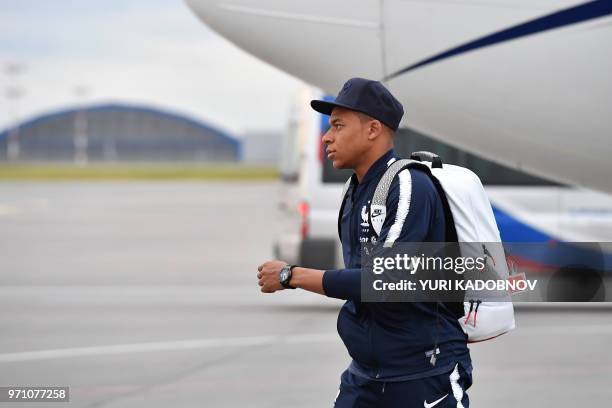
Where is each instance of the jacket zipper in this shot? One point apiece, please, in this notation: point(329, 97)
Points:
point(371, 324)
point(352, 221)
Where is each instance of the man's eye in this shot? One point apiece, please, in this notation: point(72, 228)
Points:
point(338, 126)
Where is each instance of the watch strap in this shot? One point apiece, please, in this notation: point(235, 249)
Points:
point(285, 283)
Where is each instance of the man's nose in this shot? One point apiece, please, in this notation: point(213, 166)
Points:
point(326, 138)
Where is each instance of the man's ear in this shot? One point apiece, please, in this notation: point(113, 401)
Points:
point(375, 128)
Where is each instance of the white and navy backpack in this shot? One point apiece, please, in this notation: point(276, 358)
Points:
point(469, 219)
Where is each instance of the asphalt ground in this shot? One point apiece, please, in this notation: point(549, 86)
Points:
point(143, 294)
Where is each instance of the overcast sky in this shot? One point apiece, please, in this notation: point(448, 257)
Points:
point(151, 52)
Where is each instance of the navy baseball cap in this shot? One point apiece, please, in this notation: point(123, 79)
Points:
point(365, 96)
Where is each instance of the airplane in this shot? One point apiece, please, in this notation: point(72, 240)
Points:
point(525, 83)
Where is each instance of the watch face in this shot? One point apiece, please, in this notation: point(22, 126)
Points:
point(283, 275)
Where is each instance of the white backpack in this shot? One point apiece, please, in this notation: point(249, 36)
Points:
point(468, 209)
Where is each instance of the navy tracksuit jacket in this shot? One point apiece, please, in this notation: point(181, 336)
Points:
point(393, 341)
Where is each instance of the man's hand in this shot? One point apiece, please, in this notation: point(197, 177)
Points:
point(268, 276)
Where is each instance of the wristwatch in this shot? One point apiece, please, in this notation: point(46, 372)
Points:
point(285, 276)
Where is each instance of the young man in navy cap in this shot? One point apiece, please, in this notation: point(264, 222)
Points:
point(391, 344)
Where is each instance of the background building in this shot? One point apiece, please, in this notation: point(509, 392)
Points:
point(116, 132)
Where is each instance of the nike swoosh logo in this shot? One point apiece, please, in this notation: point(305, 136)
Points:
point(432, 404)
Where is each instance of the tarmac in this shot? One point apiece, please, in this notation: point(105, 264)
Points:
point(143, 294)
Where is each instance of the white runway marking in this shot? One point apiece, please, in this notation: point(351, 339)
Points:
point(163, 346)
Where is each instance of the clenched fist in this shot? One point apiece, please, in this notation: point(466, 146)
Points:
point(268, 276)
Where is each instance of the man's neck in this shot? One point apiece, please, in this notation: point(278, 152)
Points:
point(362, 168)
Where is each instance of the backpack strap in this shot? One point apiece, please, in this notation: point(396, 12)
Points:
point(378, 206)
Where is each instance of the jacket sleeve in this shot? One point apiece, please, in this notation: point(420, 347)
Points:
point(411, 207)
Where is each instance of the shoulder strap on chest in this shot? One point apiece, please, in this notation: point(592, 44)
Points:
point(378, 206)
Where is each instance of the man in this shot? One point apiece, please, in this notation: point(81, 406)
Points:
point(404, 354)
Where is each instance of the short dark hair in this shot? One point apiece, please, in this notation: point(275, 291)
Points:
point(364, 117)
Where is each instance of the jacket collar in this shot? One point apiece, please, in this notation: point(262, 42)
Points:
point(378, 167)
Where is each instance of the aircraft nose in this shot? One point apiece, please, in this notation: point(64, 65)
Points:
point(315, 40)
point(205, 9)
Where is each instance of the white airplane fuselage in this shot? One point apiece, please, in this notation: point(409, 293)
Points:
point(526, 83)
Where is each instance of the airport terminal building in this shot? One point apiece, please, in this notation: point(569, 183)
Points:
point(117, 132)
